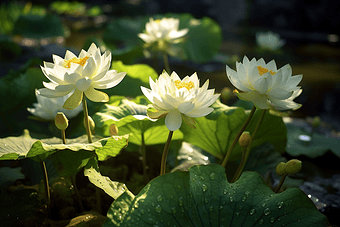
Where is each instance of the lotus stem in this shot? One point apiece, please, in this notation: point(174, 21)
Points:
point(166, 63)
point(240, 167)
point(47, 187)
point(243, 162)
point(63, 136)
point(143, 150)
point(165, 153)
point(73, 181)
point(281, 183)
point(86, 116)
point(231, 148)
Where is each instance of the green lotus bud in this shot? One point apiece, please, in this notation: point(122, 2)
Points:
point(113, 130)
point(61, 121)
point(316, 121)
point(280, 169)
point(293, 166)
point(244, 139)
point(91, 123)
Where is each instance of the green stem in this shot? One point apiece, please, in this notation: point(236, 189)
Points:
point(47, 187)
point(63, 136)
point(86, 116)
point(176, 156)
point(280, 184)
point(80, 204)
point(165, 153)
point(143, 150)
point(155, 63)
point(225, 160)
point(242, 164)
point(240, 167)
point(166, 63)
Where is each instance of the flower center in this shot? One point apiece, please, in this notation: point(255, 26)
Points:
point(80, 61)
point(187, 85)
point(263, 70)
point(158, 21)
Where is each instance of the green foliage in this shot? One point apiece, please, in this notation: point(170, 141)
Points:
point(12, 148)
point(137, 76)
point(130, 118)
point(112, 188)
point(215, 132)
point(73, 8)
point(201, 43)
point(9, 13)
point(204, 197)
point(37, 26)
point(317, 147)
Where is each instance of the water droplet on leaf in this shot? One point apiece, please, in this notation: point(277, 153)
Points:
point(266, 211)
point(158, 208)
point(159, 198)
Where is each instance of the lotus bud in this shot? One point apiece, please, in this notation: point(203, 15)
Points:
point(113, 130)
point(280, 169)
point(316, 121)
point(61, 121)
point(91, 123)
point(244, 139)
point(293, 166)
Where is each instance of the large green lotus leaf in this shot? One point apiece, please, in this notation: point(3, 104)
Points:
point(216, 132)
point(203, 39)
point(20, 87)
point(37, 26)
point(68, 162)
point(317, 147)
point(112, 188)
point(203, 197)
point(130, 117)
point(125, 30)
point(137, 76)
point(12, 148)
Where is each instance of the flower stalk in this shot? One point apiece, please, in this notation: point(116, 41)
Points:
point(245, 157)
point(143, 151)
point(165, 153)
point(231, 148)
point(281, 183)
point(47, 187)
point(166, 62)
point(87, 124)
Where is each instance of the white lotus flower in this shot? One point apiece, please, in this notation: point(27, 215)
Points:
point(83, 75)
point(264, 84)
point(161, 33)
point(47, 108)
point(288, 103)
point(269, 40)
point(179, 99)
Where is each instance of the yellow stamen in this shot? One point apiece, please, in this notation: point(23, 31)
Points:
point(158, 21)
point(263, 70)
point(187, 85)
point(80, 61)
